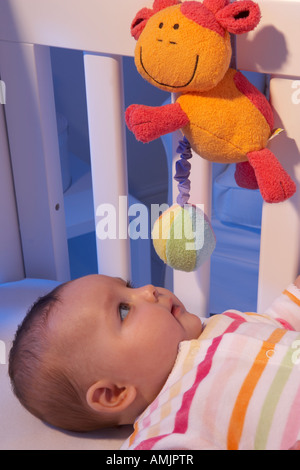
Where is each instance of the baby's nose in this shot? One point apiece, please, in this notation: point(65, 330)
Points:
point(149, 293)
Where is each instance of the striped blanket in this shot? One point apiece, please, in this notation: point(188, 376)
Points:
point(235, 387)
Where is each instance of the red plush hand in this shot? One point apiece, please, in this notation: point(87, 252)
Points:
point(141, 123)
point(148, 123)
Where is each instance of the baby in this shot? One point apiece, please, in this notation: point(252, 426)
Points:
point(96, 352)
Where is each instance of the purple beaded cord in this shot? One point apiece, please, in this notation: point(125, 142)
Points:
point(183, 168)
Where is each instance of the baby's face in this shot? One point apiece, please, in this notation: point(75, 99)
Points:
point(131, 335)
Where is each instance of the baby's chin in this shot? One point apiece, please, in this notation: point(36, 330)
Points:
point(193, 326)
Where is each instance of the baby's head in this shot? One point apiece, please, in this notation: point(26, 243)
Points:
point(95, 351)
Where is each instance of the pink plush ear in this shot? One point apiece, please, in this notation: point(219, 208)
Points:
point(144, 14)
point(140, 22)
point(161, 4)
point(200, 14)
point(239, 17)
point(215, 5)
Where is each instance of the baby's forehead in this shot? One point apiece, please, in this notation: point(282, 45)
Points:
point(70, 317)
point(83, 300)
point(94, 280)
point(86, 293)
point(83, 304)
point(80, 287)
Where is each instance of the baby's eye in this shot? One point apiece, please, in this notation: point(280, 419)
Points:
point(123, 310)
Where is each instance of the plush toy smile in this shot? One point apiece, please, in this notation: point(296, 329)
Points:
point(166, 84)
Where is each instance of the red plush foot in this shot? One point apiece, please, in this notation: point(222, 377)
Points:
point(245, 176)
point(148, 123)
point(274, 183)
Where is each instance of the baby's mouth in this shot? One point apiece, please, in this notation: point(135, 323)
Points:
point(175, 310)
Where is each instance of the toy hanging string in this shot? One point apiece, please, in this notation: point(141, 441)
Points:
point(183, 168)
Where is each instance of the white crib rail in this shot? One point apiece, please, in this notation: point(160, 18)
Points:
point(280, 236)
point(33, 143)
point(105, 105)
point(95, 26)
point(11, 261)
point(273, 48)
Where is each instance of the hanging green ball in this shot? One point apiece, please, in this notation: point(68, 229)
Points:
point(183, 237)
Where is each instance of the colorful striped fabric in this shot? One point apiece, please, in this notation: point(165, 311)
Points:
point(235, 387)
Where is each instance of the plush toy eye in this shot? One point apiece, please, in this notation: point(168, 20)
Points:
point(176, 26)
point(160, 25)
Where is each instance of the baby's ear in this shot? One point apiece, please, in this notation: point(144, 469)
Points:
point(106, 396)
point(239, 17)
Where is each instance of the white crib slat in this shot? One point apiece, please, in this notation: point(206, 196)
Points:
point(280, 238)
point(33, 142)
point(11, 261)
point(104, 89)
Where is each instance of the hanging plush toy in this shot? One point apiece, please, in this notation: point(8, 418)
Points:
point(183, 237)
point(185, 48)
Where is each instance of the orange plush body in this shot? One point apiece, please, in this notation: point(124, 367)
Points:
point(185, 48)
point(224, 124)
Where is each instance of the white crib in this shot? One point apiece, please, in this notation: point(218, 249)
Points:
point(33, 241)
